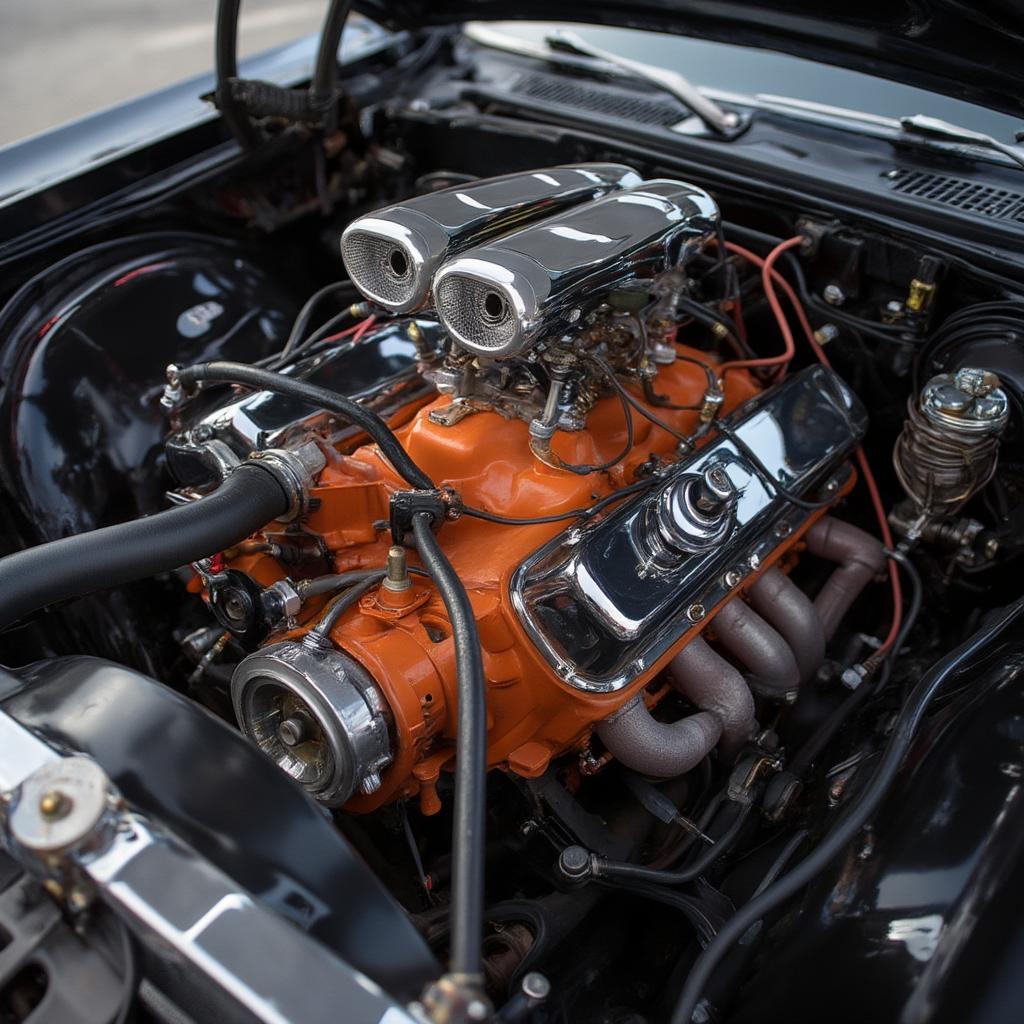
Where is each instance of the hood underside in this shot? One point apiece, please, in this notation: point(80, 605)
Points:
point(974, 51)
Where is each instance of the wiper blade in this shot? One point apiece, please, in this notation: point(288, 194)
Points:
point(927, 127)
point(726, 123)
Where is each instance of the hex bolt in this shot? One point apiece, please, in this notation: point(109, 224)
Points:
point(854, 675)
point(834, 295)
point(696, 612)
point(976, 383)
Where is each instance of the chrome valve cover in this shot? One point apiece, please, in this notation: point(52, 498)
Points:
point(605, 600)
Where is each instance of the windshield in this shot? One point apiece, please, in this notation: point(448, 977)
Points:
point(740, 69)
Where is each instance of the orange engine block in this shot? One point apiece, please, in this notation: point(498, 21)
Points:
point(403, 639)
point(397, 643)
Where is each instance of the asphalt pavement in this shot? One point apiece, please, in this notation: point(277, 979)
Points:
point(61, 59)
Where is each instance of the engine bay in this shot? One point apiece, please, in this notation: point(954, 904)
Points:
point(567, 533)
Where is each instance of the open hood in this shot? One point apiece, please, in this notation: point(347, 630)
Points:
point(973, 51)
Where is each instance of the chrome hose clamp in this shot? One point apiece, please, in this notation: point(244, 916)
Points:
point(296, 470)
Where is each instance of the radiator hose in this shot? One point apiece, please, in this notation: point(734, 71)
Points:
point(71, 567)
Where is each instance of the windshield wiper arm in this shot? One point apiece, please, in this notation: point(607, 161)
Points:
point(722, 122)
point(933, 128)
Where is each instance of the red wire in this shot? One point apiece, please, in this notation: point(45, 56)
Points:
point(357, 332)
point(364, 328)
point(769, 278)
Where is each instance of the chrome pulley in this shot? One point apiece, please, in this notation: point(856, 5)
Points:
point(317, 714)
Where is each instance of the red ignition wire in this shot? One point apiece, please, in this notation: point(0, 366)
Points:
point(770, 278)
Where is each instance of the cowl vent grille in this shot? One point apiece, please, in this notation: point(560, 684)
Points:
point(611, 101)
point(969, 196)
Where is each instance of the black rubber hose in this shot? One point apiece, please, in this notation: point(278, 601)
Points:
point(71, 567)
point(311, 394)
point(225, 53)
point(130, 976)
point(617, 870)
point(325, 74)
point(333, 583)
point(856, 814)
point(343, 602)
point(468, 835)
point(575, 513)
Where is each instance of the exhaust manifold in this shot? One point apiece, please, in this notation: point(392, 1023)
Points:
point(779, 640)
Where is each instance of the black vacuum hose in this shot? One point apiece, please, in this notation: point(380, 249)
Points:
point(616, 870)
point(71, 567)
point(324, 85)
point(467, 913)
point(266, 380)
point(225, 52)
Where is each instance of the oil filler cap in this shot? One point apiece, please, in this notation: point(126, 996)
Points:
point(695, 512)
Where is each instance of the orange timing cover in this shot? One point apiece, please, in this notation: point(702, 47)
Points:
point(404, 640)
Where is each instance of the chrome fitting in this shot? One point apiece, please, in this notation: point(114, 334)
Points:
point(317, 714)
point(281, 602)
point(576, 864)
point(826, 334)
point(853, 676)
point(173, 392)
